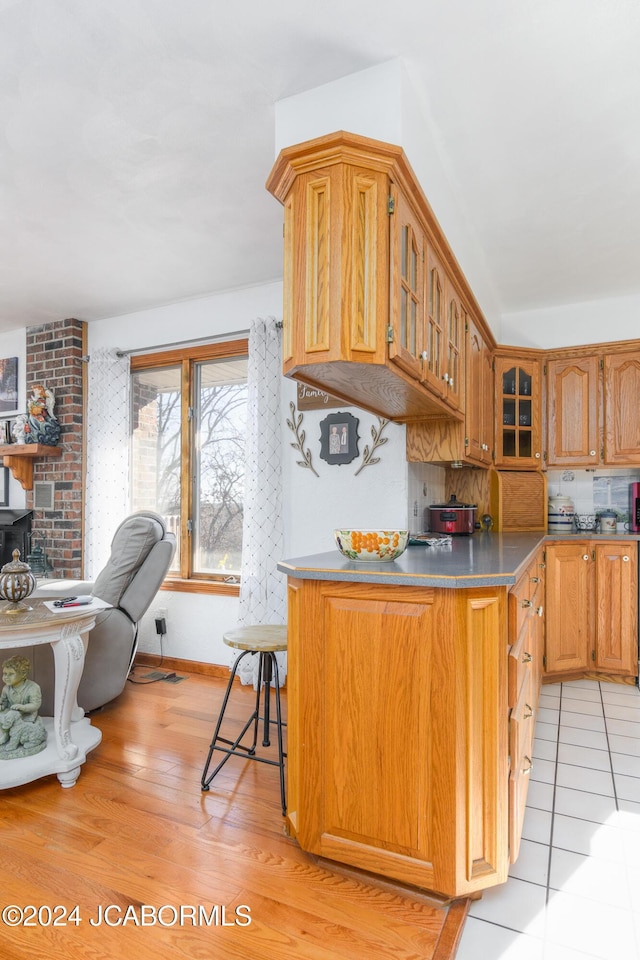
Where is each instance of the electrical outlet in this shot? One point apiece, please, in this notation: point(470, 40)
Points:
point(161, 613)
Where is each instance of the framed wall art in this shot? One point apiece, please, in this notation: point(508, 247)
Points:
point(339, 438)
point(8, 385)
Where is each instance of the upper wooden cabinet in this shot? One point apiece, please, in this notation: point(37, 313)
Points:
point(440, 440)
point(621, 406)
point(573, 412)
point(373, 296)
point(592, 403)
point(518, 407)
point(479, 407)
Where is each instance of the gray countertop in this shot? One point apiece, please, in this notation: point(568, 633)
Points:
point(480, 560)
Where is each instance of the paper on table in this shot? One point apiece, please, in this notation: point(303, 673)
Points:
point(96, 604)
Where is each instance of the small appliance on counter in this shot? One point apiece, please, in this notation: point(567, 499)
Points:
point(453, 517)
point(634, 508)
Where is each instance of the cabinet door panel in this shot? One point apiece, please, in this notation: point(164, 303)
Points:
point(453, 342)
point(432, 370)
point(616, 624)
point(518, 413)
point(573, 428)
point(478, 396)
point(569, 579)
point(621, 404)
point(407, 297)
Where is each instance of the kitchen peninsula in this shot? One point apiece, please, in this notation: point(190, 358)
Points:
point(413, 691)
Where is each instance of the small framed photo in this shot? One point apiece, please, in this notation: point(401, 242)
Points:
point(4, 486)
point(339, 438)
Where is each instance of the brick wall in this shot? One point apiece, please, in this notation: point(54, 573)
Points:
point(54, 358)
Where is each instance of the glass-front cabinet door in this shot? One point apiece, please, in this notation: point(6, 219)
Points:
point(407, 279)
point(518, 413)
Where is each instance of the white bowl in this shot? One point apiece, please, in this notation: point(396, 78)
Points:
point(373, 545)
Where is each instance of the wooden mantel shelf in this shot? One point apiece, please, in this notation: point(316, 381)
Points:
point(19, 458)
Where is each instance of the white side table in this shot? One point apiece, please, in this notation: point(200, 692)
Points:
point(70, 735)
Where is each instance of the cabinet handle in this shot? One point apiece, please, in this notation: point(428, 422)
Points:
point(626, 559)
point(540, 611)
point(585, 556)
point(445, 377)
point(528, 711)
point(537, 456)
point(592, 453)
point(424, 355)
point(526, 657)
point(451, 382)
point(535, 579)
point(527, 603)
point(529, 766)
point(542, 566)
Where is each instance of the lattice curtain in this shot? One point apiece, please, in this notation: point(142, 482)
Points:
point(263, 588)
point(107, 489)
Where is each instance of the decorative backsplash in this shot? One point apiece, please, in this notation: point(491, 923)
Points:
point(594, 490)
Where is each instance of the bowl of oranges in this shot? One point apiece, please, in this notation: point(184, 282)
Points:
point(373, 545)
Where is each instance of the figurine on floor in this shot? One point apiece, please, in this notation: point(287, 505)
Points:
point(22, 732)
point(39, 424)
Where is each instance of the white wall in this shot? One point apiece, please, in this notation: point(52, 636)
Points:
point(313, 506)
point(574, 324)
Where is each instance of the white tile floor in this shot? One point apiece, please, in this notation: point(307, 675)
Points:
point(574, 892)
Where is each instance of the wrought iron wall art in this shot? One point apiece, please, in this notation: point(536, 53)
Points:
point(367, 454)
point(294, 425)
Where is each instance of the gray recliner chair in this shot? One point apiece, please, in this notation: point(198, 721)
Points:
point(141, 553)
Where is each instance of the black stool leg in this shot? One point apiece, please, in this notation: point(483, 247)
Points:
point(205, 781)
point(265, 668)
point(283, 798)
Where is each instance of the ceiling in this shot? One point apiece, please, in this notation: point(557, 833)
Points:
point(136, 137)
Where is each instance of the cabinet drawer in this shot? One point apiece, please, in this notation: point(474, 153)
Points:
point(525, 598)
point(521, 730)
point(521, 660)
point(521, 726)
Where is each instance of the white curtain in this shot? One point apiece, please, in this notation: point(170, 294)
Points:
point(107, 493)
point(263, 588)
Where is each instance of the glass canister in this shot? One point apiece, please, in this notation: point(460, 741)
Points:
point(560, 514)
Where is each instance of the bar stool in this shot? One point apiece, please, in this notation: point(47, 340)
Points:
point(265, 640)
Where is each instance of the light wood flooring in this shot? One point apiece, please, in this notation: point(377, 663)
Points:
point(137, 830)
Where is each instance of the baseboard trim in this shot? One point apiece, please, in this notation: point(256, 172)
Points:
point(181, 666)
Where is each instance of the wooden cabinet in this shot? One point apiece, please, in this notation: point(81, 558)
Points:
point(398, 752)
point(518, 408)
point(592, 403)
point(621, 406)
point(437, 440)
point(408, 250)
point(526, 638)
point(372, 293)
point(592, 608)
point(479, 392)
point(574, 434)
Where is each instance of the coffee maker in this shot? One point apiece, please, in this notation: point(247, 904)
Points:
point(634, 508)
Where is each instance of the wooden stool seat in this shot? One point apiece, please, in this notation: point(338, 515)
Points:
point(262, 638)
point(265, 640)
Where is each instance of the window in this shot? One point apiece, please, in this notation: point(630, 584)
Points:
point(189, 423)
